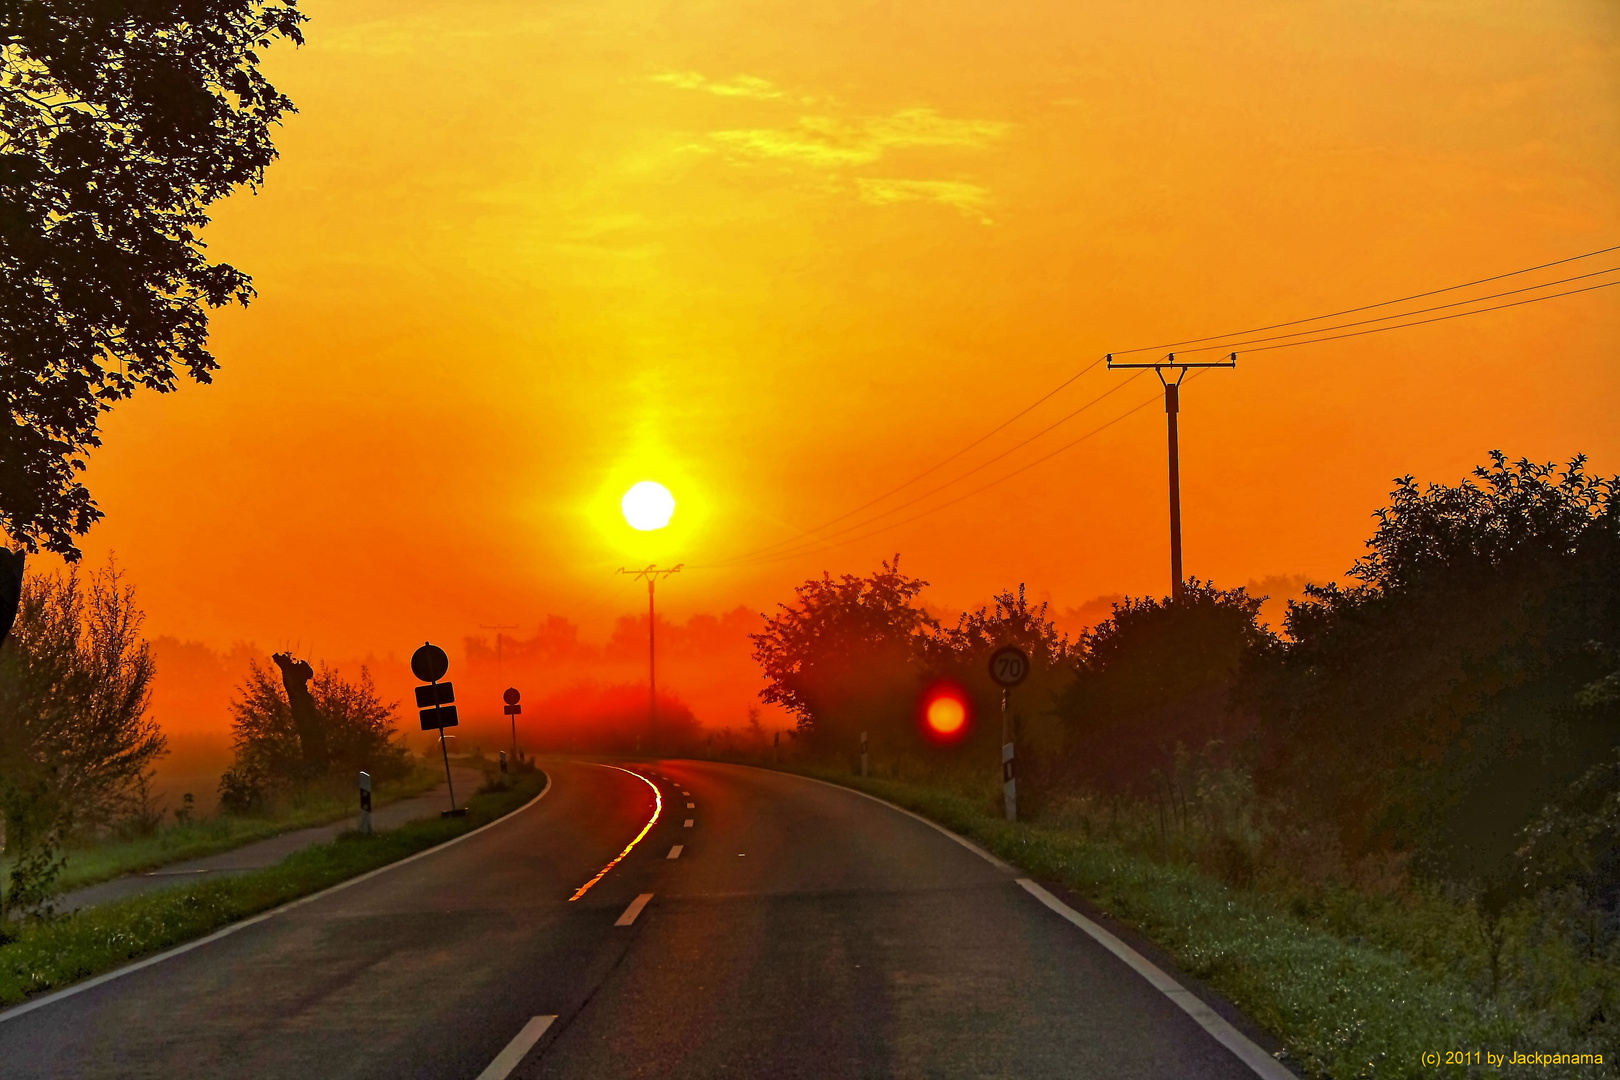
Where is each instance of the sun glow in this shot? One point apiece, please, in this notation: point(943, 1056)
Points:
point(945, 712)
point(647, 506)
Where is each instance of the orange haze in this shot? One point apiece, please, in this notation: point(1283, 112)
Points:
point(782, 256)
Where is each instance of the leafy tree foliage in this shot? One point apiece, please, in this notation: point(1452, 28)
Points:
point(848, 654)
point(274, 760)
point(120, 122)
point(1437, 704)
point(1157, 675)
point(75, 740)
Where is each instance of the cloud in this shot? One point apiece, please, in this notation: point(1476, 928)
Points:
point(828, 142)
point(970, 199)
point(838, 147)
point(743, 86)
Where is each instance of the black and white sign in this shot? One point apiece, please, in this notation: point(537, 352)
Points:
point(1009, 666)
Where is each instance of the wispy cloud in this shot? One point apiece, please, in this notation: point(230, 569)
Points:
point(839, 146)
point(743, 86)
point(829, 142)
point(971, 199)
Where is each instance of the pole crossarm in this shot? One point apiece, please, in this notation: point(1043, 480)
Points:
point(1170, 361)
point(653, 572)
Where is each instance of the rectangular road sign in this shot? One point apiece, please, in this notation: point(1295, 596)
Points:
point(442, 717)
point(439, 693)
point(513, 710)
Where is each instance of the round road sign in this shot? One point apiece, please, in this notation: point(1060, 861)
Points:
point(429, 663)
point(512, 697)
point(1009, 666)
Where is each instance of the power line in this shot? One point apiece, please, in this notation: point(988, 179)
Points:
point(1230, 345)
point(1437, 318)
point(935, 467)
point(1367, 307)
point(794, 548)
point(934, 491)
point(807, 549)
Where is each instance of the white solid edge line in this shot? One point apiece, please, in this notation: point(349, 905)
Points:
point(1246, 1050)
point(521, 1044)
point(936, 826)
point(675, 852)
point(634, 909)
point(225, 931)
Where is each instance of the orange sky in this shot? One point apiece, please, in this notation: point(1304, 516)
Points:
point(781, 256)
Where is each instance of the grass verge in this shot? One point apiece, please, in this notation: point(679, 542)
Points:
point(91, 864)
point(1346, 1009)
point(48, 954)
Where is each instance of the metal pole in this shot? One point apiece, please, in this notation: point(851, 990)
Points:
point(444, 749)
point(652, 667)
point(1172, 406)
point(1009, 787)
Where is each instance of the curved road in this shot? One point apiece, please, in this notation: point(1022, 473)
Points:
point(802, 930)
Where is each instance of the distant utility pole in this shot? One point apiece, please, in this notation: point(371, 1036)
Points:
point(1172, 406)
point(652, 574)
point(498, 629)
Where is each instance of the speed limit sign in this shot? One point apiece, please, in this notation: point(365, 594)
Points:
point(1009, 666)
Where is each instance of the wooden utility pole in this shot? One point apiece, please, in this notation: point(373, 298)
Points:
point(1172, 408)
point(652, 574)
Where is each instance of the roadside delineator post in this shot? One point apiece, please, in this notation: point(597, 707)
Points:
point(365, 804)
point(503, 762)
point(863, 754)
point(1009, 666)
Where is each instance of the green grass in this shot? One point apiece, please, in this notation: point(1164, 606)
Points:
point(48, 954)
point(88, 864)
point(1353, 987)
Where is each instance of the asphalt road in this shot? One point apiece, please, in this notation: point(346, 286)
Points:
point(801, 931)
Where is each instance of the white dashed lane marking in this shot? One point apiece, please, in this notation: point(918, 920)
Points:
point(634, 909)
point(508, 1059)
point(675, 852)
point(688, 823)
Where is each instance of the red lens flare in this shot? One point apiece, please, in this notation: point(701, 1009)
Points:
point(945, 712)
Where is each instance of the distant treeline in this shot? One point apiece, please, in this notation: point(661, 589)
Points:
point(1457, 705)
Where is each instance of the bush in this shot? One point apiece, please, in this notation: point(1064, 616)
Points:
point(75, 740)
point(339, 729)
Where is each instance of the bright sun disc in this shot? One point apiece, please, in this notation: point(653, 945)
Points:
point(648, 506)
point(946, 715)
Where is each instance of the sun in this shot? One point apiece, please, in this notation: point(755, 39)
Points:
point(647, 506)
point(946, 715)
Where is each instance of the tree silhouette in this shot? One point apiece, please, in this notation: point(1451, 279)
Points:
point(119, 124)
point(847, 653)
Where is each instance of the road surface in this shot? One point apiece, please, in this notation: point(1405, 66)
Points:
point(801, 930)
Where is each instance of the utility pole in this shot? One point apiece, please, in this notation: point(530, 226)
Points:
point(498, 629)
point(652, 574)
point(1172, 408)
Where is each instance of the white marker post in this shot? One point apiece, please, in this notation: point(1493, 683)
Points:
point(863, 753)
point(365, 804)
point(1009, 666)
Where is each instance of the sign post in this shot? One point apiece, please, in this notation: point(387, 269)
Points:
point(512, 697)
point(1009, 666)
point(435, 704)
point(365, 804)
